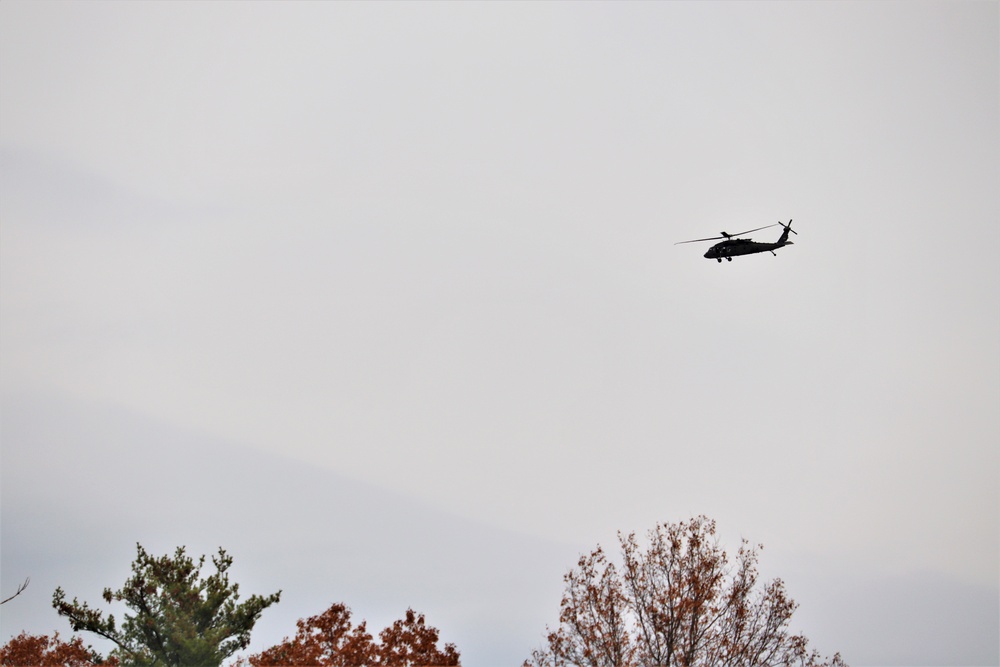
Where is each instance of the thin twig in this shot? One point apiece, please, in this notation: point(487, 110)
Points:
point(20, 590)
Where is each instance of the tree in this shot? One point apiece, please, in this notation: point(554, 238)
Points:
point(411, 642)
point(676, 603)
point(178, 618)
point(44, 651)
point(325, 639)
point(329, 640)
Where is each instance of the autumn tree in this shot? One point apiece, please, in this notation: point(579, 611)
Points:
point(329, 640)
point(678, 602)
point(325, 639)
point(179, 618)
point(43, 651)
point(410, 642)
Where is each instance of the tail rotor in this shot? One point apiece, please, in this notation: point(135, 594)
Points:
point(784, 234)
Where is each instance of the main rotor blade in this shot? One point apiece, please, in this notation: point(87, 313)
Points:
point(727, 235)
point(711, 238)
point(755, 230)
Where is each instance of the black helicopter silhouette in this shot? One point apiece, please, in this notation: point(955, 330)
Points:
point(733, 246)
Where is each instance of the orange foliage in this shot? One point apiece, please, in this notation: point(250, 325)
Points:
point(411, 642)
point(326, 639)
point(44, 651)
point(329, 640)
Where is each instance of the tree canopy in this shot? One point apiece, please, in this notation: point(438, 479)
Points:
point(43, 651)
point(330, 640)
point(178, 617)
point(675, 603)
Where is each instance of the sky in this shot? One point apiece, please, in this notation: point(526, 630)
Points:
point(384, 299)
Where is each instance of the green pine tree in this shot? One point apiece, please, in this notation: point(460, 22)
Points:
point(178, 619)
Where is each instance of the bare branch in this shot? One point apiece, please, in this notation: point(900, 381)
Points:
point(20, 589)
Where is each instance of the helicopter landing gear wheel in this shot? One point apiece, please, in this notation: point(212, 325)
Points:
point(719, 260)
point(729, 259)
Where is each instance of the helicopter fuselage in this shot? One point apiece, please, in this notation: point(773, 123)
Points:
point(734, 247)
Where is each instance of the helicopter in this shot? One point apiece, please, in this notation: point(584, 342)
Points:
point(733, 246)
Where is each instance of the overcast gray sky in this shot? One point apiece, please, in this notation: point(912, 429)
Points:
point(368, 267)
